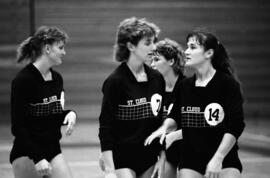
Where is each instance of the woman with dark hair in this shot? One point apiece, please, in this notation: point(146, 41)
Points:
point(168, 59)
point(132, 98)
point(209, 109)
point(37, 108)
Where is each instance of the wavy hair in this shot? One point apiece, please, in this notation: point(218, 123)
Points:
point(31, 48)
point(170, 49)
point(132, 30)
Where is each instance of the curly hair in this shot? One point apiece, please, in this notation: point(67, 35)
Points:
point(170, 49)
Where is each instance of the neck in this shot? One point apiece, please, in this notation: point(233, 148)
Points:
point(205, 75)
point(135, 65)
point(42, 65)
point(170, 80)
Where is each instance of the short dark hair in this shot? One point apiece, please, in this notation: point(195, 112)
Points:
point(170, 49)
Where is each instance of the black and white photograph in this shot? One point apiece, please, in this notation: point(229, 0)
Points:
point(134, 89)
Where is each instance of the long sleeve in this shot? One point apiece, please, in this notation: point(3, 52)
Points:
point(62, 115)
point(234, 115)
point(20, 95)
point(107, 115)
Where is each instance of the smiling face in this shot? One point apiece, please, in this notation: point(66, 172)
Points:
point(144, 49)
point(56, 52)
point(195, 53)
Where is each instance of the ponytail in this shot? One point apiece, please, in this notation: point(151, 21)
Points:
point(31, 48)
point(221, 60)
point(25, 50)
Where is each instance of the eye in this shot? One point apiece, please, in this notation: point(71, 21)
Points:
point(148, 43)
point(156, 59)
point(191, 47)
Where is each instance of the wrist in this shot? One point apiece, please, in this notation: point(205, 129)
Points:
point(72, 113)
point(109, 171)
point(219, 156)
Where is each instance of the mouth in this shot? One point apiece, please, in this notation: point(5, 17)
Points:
point(187, 59)
point(150, 54)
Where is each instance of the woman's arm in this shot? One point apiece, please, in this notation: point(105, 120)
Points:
point(172, 137)
point(233, 127)
point(168, 126)
point(215, 164)
point(160, 165)
point(20, 95)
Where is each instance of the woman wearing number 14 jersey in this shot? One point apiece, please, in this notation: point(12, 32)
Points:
point(208, 108)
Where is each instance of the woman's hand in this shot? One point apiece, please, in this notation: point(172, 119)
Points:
point(106, 164)
point(172, 137)
point(214, 167)
point(161, 132)
point(159, 166)
point(43, 168)
point(70, 120)
point(101, 163)
point(110, 175)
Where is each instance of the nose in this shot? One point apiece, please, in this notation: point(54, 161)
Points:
point(186, 52)
point(152, 64)
point(64, 52)
point(153, 46)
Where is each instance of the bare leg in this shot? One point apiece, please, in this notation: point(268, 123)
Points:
point(147, 173)
point(24, 167)
point(60, 168)
point(230, 173)
point(170, 170)
point(125, 173)
point(189, 173)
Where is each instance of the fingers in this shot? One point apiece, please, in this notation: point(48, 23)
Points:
point(65, 121)
point(70, 126)
point(69, 129)
point(154, 172)
point(211, 175)
point(46, 171)
point(149, 140)
point(160, 174)
point(162, 138)
point(101, 164)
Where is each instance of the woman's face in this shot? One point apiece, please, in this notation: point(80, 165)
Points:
point(161, 64)
point(144, 49)
point(56, 53)
point(195, 53)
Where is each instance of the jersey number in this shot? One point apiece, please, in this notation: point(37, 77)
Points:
point(214, 114)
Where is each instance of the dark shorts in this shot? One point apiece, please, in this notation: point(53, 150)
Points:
point(49, 151)
point(198, 162)
point(174, 153)
point(138, 158)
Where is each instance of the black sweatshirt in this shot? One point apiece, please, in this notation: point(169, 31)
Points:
point(206, 113)
point(169, 98)
point(131, 110)
point(36, 110)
